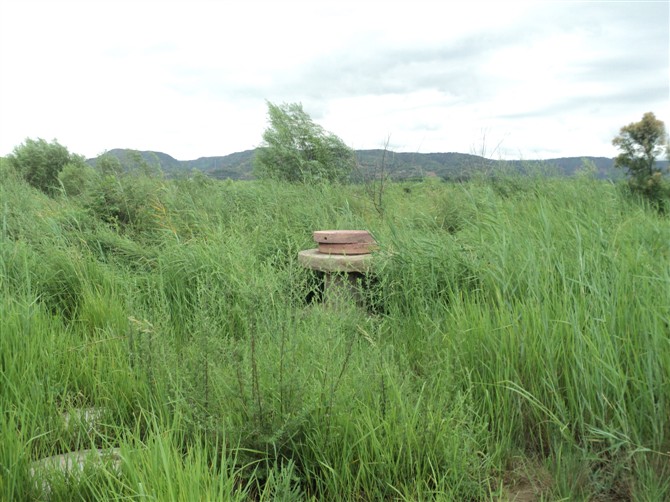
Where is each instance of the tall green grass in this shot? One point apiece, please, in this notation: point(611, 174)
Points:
point(515, 334)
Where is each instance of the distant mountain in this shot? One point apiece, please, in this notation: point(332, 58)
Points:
point(236, 166)
point(371, 163)
point(132, 159)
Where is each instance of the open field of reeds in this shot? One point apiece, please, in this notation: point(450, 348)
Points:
point(514, 344)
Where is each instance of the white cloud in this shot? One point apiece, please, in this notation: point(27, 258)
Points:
point(191, 78)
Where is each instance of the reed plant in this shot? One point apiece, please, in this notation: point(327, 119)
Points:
point(514, 342)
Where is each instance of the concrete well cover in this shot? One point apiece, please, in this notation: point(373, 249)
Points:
point(355, 248)
point(343, 237)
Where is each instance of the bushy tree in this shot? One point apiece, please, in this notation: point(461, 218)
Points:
point(641, 144)
point(40, 162)
point(76, 178)
point(127, 197)
point(295, 149)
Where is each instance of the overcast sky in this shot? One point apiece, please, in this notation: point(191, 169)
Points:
point(191, 78)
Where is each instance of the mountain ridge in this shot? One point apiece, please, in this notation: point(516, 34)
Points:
point(375, 162)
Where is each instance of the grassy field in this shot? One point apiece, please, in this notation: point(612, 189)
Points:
point(515, 344)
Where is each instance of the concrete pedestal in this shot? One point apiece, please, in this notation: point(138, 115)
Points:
point(342, 274)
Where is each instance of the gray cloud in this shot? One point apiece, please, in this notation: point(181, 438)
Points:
point(203, 65)
point(594, 103)
point(452, 68)
point(622, 69)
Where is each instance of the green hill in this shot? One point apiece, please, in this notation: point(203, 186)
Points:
point(374, 163)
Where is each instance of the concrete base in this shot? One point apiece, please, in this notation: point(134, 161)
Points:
point(344, 288)
point(312, 258)
point(342, 275)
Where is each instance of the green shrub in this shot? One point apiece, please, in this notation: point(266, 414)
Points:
point(76, 178)
point(40, 163)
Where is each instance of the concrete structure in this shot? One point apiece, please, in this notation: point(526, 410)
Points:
point(344, 257)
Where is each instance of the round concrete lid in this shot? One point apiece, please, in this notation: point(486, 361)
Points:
point(358, 248)
point(343, 236)
point(311, 258)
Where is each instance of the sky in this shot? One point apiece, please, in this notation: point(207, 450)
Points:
point(507, 80)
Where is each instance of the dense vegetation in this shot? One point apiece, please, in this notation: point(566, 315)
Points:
point(515, 341)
